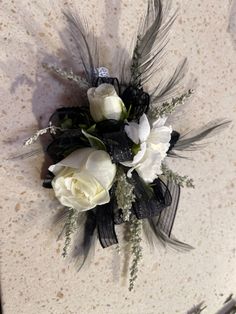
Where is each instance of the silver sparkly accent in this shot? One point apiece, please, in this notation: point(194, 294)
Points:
point(102, 72)
point(70, 76)
point(51, 128)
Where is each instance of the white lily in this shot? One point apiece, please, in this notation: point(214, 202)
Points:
point(153, 143)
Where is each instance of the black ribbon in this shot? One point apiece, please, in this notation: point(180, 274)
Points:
point(113, 135)
point(166, 219)
point(150, 200)
point(71, 118)
point(70, 137)
point(47, 182)
point(174, 139)
point(105, 224)
point(64, 145)
point(136, 101)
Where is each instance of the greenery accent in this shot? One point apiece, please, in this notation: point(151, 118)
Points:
point(135, 148)
point(94, 141)
point(67, 123)
point(183, 181)
point(136, 248)
point(70, 76)
point(124, 193)
point(168, 107)
point(70, 227)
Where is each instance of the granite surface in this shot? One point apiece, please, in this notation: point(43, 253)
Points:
point(35, 279)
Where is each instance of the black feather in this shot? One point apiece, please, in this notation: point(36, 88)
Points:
point(85, 246)
point(190, 140)
point(86, 45)
point(169, 89)
point(152, 39)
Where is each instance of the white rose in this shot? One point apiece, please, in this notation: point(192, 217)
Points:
point(83, 179)
point(104, 103)
point(153, 143)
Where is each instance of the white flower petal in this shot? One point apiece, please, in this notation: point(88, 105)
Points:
point(136, 158)
point(140, 154)
point(144, 128)
point(100, 166)
point(154, 147)
point(112, 107)
point(104, 90)
point(132, 131)
point(102, 198)
point(159, 122)
point(150, 167)
point(160, 135)
point(76, 160)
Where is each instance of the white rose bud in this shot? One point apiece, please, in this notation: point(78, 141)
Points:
point(83, 179)
point(105, 103)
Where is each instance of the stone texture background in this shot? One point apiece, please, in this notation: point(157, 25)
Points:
point(35, 279)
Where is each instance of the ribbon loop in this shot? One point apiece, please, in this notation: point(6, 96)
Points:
point(105, 225)
point(150, 200)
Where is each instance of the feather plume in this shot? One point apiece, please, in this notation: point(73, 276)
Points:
point(151, 41)
point(169, 89)
point(86, 240)
point(22, 156)
point(189, 141)
point(197, 309)
point(169, 241)
point(85, 43)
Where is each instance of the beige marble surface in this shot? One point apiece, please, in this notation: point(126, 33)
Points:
point(35, 279)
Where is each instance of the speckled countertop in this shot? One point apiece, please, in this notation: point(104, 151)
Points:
point(35, 279)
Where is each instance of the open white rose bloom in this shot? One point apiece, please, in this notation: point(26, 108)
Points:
point(154, 144)
point(83, 179)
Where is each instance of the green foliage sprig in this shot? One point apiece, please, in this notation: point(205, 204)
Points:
point(70, 76)
point(136, 248)
point(168, 107)
point(183, 181)
point(70, 227)
point(124, 193)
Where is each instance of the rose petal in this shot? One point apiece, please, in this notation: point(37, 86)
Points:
point(100, 166)
point(105, 90)
point(112, 107)
point(75, 160)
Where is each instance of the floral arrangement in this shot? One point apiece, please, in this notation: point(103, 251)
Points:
point(109, 154)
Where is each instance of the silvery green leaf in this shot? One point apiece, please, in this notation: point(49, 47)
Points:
point(94, 141)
